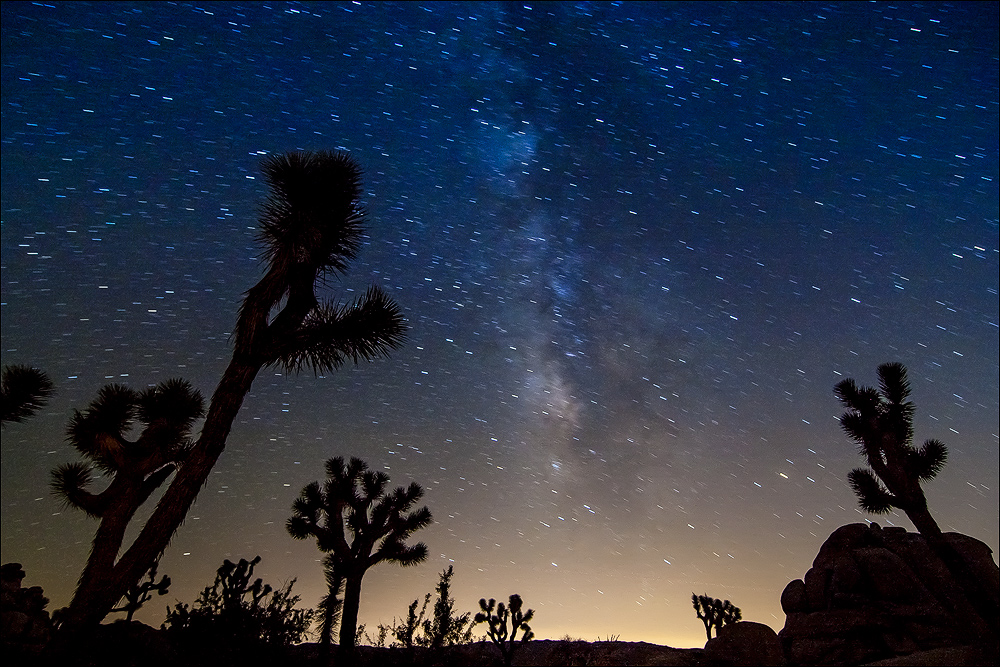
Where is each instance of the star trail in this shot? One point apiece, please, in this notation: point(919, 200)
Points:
point(637, 244)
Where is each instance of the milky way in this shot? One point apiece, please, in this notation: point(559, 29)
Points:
point(636, 245)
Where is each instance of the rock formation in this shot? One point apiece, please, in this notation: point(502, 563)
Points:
point(874, 594)
point(25, 627)
point(744, 643)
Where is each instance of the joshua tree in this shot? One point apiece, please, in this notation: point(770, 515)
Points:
point(881, 422)
point(498, 624)
point(311, 226)
point(379, 523)
point(135, 468)
point(715, 613)
point(23, 392)
point(141, 593)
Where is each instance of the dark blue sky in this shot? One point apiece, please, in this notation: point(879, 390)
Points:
point(637, 245)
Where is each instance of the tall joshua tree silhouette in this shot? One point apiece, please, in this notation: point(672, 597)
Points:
point(310, 227)
point(354, 497)
point(23, 392)
point(881, 422)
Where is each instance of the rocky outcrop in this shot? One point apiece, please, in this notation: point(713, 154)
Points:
point(25, 627)
point(744, 643)
point(875, 594)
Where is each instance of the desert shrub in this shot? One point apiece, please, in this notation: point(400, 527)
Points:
point(236, 619)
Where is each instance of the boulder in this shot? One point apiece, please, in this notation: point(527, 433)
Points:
point(744, 643)
point(876, 594)
point(25, 626)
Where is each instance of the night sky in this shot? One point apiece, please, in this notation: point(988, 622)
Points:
point(636, 246)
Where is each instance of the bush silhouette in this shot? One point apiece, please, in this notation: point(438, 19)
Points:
point(715, 613)
point(445, 628)
point(238, 617)
point(504, 639)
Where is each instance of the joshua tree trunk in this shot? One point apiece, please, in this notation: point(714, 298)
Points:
point(349, 617)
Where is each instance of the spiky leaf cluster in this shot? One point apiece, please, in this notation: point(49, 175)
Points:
point(312, 225)
point(100, 433)
point(23, 392)
point(506, 639)
point(312, 215)
point(715, 613)
point(880, 421)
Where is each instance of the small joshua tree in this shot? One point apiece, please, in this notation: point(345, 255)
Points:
point(138, 595)
point(881, 422)
point(355, 498)
point(497, 622)
point(23, 392)
point(715, 613)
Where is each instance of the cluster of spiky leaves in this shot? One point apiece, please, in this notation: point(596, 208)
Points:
point(167, 413)
point(497, 624)
point(880, 421)
point(715, 613)
point(313, 214)
point(23, 392)
point(354, 496)
point(239, 615)
point(312, 225)
point(353, 499)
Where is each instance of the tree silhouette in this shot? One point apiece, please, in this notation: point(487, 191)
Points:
point(138, 595)
point(715, 613)
point(135, 468)
point(354, 497)
point(497, 623)
point(23, 392)
point(310, 227)
point(881, 422)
